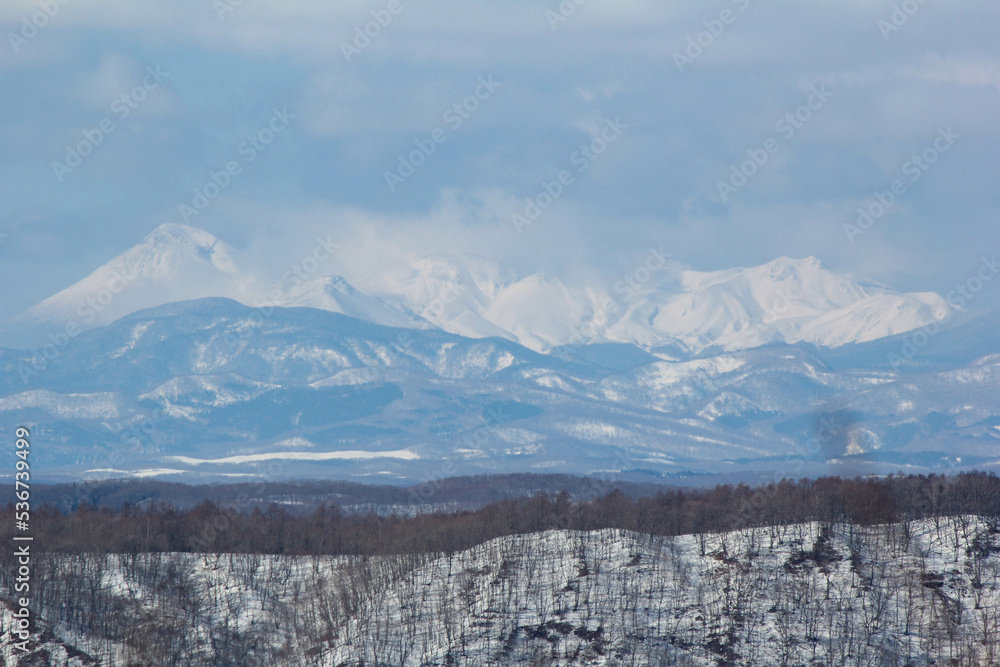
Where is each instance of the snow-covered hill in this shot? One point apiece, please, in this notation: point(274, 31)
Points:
point(212, 388)
point(334, 294)
point(659, 306)
point(173, 263)
point(922, 593)
point(790, 300)
point(177, 263)
point(785, 300)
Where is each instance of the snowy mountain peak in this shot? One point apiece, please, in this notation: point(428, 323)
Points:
point(335, 294)
point(786, 268)
point(809, 260)
point(172, 263)
point(172, 231)
point(784, 300)
point(168, 246)
point(791, 300)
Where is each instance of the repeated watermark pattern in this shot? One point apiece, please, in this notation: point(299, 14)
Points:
point(121, 108)
point(959, 297)
point(626, 291)
point(365, 33)
point(454, 116)
point(786, 127)
point(87, 311)
point(225, 7)
point(293, 277)
point(899, 16)
point(582, 158)
point(562, 13)
point(248, 151)
point(714, 29)
point(914, 169)
point(32, 24)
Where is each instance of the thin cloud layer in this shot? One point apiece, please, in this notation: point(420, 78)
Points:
point(394, 145)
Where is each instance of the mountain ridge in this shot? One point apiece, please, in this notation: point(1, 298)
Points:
point(211, 389)
point(785, 300)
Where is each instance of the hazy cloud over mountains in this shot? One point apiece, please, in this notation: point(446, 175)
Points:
point(225, 67)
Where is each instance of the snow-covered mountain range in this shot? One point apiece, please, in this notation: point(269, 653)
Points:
point(468, 368)
point(212, 389)
point(657, 304)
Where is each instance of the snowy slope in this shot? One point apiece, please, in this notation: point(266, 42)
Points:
point(177, 263)
point(917, 594)
point(541, 310)
point(334, 294)
point(454, 293)
point(785, 300)
point(173, 263)
point(222, 383)
point(789, 300)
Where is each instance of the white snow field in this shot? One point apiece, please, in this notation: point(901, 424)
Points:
point(921, 593)
point(785, 300)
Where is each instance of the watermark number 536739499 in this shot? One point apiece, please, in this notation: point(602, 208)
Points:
point(22, 539)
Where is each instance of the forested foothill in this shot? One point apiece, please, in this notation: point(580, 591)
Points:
point(228, 527)
point(895, 572)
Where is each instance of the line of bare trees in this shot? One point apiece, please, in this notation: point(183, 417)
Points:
point(760, 595)
point(215, 528)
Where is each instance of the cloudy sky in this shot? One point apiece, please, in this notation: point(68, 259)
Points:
point(648, 110)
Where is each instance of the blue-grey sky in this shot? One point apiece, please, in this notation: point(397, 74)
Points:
point(684, 93)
